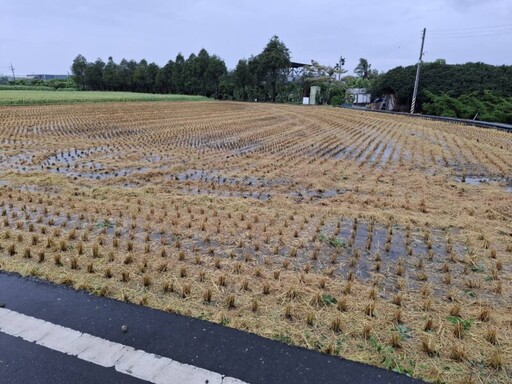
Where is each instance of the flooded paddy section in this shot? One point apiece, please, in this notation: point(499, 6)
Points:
point(95, 163)
point(211, 183)
point(390, 256)
point(20, 160)
point(476, 180)
point(216, 177)
point(343, 248)
point(216, 183)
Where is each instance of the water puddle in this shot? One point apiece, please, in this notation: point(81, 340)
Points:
point(376, 152)
point(485, 180)
point(262, 196)
point(314, 194)
point(217, 178)
point(341, 152)
point(247, 149)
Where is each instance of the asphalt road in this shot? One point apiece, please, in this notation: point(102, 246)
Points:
point(223, 350)
point(24, 362)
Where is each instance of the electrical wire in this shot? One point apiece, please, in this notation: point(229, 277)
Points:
point(469, 32)
point(469, 36)
point(471, 28)
point(393, 47)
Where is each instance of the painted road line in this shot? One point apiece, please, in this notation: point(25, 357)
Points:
point(125, 359)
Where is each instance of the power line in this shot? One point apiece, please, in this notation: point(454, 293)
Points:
point(394, 46)
point(503, 30)
point(456, 36)
point(471, 28)
point(449, 33)
point(496, 30)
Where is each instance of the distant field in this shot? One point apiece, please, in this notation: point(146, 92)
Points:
point(23, 97)
point(380, 238)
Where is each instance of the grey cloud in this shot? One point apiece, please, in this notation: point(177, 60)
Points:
point(45, 36)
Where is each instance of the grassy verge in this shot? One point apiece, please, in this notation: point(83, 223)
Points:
point(34, 97)
point(33, 88)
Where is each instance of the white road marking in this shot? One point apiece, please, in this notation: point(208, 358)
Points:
point(125, 359)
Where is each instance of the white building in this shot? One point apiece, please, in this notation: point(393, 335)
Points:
point(358, 96)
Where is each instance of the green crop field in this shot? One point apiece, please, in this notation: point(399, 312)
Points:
point(23, 97)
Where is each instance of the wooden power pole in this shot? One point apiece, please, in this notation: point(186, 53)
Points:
point(417, 81)
point(12, 70)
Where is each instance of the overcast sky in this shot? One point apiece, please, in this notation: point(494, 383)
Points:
point(44, 36)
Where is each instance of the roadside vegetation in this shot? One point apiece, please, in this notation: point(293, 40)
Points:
point(37, 85)
point(484, 106)
point(462, 90)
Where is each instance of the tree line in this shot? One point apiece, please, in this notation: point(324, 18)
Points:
point(260, 77)
point(458, 90)
point(263, 77)
point(197, 75)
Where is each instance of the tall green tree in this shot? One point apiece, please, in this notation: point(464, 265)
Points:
point(126, 71)
point(111, 75)
point(215, 70)
point(257, 82)
point(164, 78)
point(140, 77)
point(78, 69)
point(274, 62)
point(191, 75)
point(242, 80)
point(178, 75)
point(226, 86)
point(200, 71)
point(152, 72)
point(94, 75)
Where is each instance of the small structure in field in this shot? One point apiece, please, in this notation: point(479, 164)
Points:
point(358, 96)
point(313, 93)
point(46, 76)
point(389, 102)
point(296, 71)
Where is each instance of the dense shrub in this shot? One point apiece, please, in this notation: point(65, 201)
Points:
point(484, 106)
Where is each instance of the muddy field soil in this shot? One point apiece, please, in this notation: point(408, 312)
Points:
point(379, 238)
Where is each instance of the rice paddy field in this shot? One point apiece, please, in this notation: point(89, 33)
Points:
point(380, 238)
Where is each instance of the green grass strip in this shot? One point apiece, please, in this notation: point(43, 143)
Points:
point(36, 97)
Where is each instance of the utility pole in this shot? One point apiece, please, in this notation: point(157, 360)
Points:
point(12, 70)
point(417, 81)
